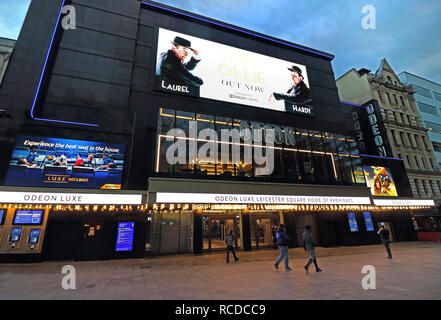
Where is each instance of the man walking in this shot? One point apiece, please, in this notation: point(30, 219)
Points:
point(229, 240)
point(384, 234)
point(282, 242)
point(309, 244)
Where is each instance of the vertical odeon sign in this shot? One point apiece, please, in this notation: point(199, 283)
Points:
point(371, 133)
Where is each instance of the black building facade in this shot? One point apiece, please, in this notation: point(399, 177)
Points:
point(99, 83)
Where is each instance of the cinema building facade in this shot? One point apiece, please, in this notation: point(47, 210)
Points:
point(148, 130)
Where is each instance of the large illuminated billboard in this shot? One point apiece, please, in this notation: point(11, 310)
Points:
point(380, 181)
point(65, 163)
point(201, 68)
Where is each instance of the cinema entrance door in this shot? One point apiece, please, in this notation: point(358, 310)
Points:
point(215, 227)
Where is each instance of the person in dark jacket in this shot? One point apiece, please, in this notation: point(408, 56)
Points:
point(229, 240)
point(174, 71)
point(282, 242)
point(274, 232)
point(309, 245)
point(384, 235)
point(298, 93)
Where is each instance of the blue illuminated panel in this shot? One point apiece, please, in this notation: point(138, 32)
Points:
point(352, 222)
point(368, 221)
point(15, 234)
point(124, 240)
point(34, 236)
point(2, 213)
point(28, 217)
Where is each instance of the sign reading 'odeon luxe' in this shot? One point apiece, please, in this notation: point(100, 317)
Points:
point(165, 197)
point(69, 198)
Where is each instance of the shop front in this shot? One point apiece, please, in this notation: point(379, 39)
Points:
point(70, 225)
point(253, 211)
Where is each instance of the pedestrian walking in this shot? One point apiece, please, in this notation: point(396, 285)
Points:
point(282, 242)
point(309, 245)
point(273, 233)
point(229, 240)
point(384, 235)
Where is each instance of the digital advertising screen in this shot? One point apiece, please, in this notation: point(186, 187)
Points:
point(380, 181)
point(15, 234)
point(65, 163)
point(368, 221)
point(34, 235)
point(28, 217)
point(201, 68)
point(124, 239)
point(2, 215)
point(352, 222)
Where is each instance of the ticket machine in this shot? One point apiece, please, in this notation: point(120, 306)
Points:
point(21, 231)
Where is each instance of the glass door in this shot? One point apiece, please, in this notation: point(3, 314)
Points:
point(216, 228)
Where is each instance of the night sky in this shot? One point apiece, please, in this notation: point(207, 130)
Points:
point(407, 31)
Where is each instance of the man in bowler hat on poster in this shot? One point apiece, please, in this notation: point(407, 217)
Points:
point(174, 68)
point(298, 93)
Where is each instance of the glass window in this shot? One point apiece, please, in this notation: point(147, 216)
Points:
point(427, 108)
point(422, 91)
point(437, 95)
point(331, 150)
point(388, 98)
point(379, 95)
point(207, 146)
point(304, 155)
point(224, 166)
point(416, 162)
point(166, 123)
point(357, 166)
point(183, 122)
point(321, 161)
point(166, 120)
point(343, 158)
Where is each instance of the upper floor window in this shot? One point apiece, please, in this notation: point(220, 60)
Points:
point(434, 126)
point(200, 145)
point(427, 108)
point(437, 95)
point(379, 95)
point(436, 146)
point(388, 98)
point(422, 91)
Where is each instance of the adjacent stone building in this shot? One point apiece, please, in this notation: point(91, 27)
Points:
point(406, 132)
point(6, 48)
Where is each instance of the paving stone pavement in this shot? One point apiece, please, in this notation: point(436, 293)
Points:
point(413, 273)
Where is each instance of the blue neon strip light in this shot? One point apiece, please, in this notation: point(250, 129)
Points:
point(368, 155)
point(45, 61)
point(353, 104)
point(68, 122)
point(42, 75)
point(236, 29)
